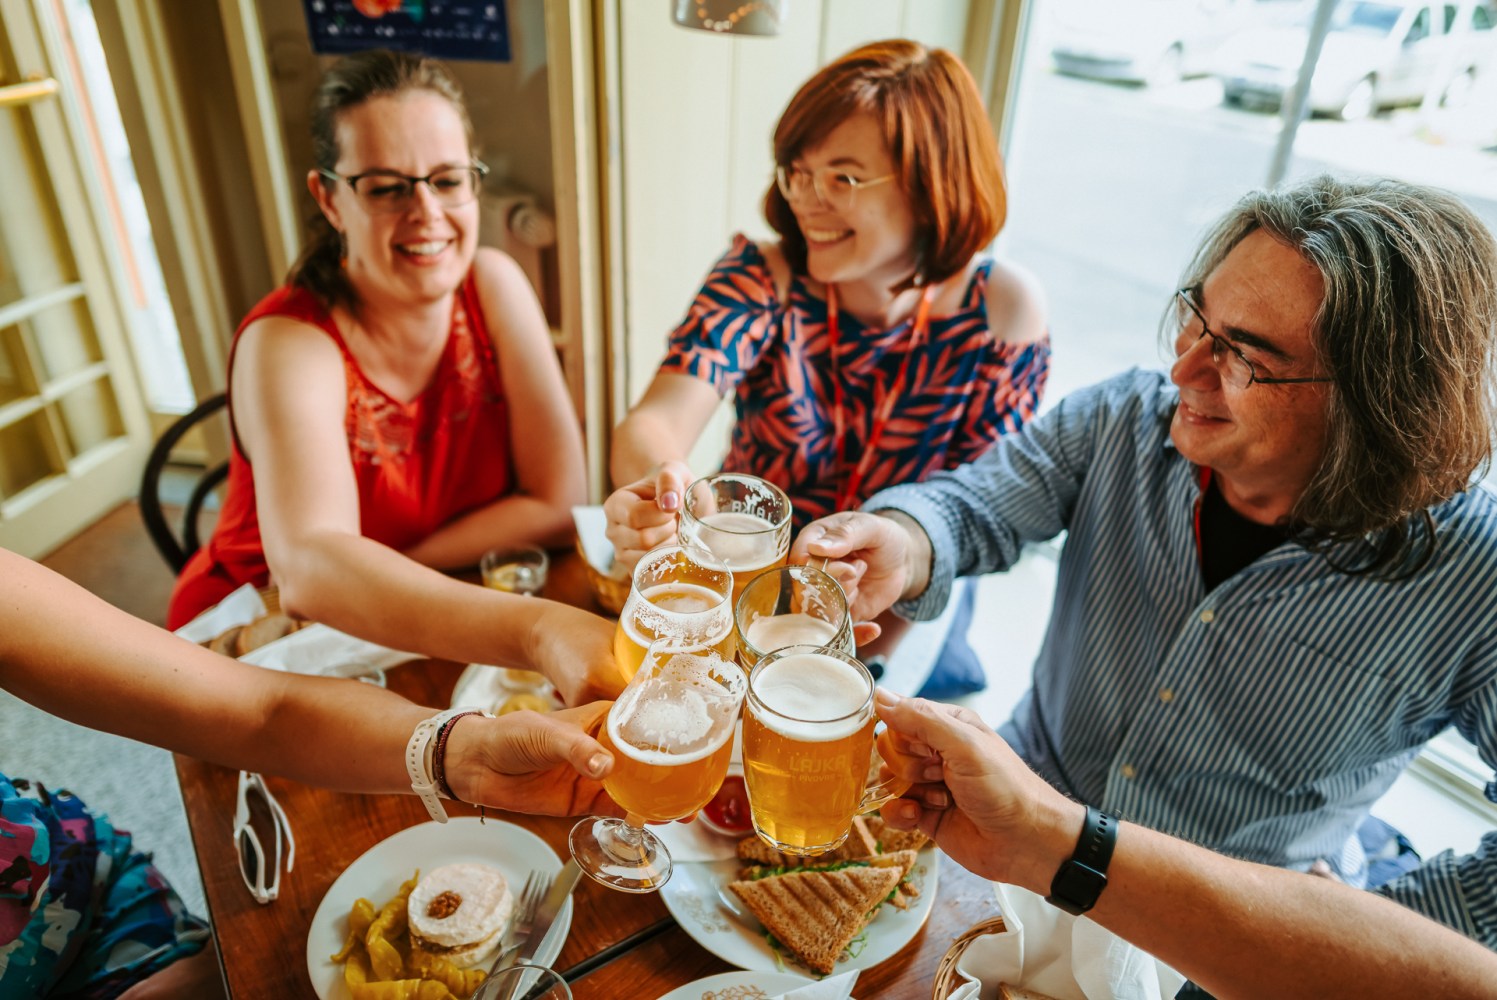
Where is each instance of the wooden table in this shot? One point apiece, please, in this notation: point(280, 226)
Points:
point(621, 945)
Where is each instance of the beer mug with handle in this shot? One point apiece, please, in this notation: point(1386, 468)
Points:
point(671, 734)
point(742, 520)
point(808, 728)
point(791, 606)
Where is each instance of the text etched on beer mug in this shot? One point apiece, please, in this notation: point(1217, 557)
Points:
point(741, 519)
point(671, 736)
point(808, 748)
point(791, 606)
point(680, 592)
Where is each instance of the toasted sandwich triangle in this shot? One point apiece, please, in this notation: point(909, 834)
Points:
point(816, 913)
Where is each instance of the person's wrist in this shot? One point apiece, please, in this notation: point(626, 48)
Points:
point(1050, 843)
point(461, 759)
point(916, 555)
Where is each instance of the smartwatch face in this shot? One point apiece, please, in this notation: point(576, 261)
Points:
point(1076, 887)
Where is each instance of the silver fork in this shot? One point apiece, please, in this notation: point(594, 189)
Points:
point(537, 884)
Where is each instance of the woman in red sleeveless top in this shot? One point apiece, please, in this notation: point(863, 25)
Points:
point(397, 409)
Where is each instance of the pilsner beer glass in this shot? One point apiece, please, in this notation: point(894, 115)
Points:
point(671, 735)
point(791, 606)
point(743, 520)
point(808, 748)
point(679, 592)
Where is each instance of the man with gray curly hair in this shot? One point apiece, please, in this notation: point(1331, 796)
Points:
point(1279, 581)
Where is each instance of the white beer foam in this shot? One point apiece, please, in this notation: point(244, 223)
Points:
point(681, 716)
point(813, 689)
point(744, 541)
point(774, 632)
point(708, 625)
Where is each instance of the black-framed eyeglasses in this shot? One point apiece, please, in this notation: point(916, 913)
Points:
point(252, 858)
point(384, 192)
point(1233, 366)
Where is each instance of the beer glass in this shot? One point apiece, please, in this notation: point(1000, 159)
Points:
point(679, 592)
point(808, 748)
point(791, 606)
point(743, 520)
point(515, 571)
point(671, 735)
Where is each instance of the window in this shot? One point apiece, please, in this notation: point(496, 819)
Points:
point(1419, 30)
point(1115, 170)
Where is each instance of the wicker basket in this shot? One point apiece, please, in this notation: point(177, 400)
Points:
point(946, 974)
point(611, 591)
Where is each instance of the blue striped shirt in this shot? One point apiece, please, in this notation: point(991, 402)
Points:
point(1262, 719)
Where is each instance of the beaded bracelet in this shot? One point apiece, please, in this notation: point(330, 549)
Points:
point(420, 769)
point(439, 756)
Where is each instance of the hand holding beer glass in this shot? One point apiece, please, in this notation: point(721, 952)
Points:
point(791, 606)
point(742, 520)
point(671, 734)
point(808, 748)
point(679, 592)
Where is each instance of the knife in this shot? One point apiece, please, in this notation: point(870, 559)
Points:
point(561, 891)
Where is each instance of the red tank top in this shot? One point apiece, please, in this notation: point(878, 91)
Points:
point(419, 464)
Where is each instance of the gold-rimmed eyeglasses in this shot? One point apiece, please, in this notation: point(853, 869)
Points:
point(1231, 364)
point(384, 192)
point(833, 188)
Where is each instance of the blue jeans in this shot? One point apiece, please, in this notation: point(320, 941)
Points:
point(958, 671)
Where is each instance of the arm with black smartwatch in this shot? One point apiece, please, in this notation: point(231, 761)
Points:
point(1235, 928)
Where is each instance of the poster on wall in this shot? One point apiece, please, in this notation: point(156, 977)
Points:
point(439, 28)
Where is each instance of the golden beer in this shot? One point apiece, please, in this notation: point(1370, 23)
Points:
point(748, 544)
point(742, 520)
point(671, 736)
point(680, 594)
point(774, 632)
point(657, 785)
point(791, 606)
point(807, 745)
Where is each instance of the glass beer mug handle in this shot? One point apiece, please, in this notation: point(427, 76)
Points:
point(884, 791)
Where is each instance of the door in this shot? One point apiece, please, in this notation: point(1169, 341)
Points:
point(73, 429)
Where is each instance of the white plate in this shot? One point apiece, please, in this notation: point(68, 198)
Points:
point(379, 871)
point(484, 688)
point(738, 986)
point(692, 898)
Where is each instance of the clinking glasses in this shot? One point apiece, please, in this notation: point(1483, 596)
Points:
point(252, 859)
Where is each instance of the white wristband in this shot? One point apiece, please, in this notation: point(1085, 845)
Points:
point(423, 783)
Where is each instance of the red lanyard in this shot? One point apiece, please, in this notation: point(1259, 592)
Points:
point(847, 492)
point(1204, 477)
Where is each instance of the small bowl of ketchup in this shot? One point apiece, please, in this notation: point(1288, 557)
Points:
point(728, 812)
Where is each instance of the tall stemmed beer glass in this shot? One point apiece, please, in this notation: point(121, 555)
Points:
point(679, 592)
point(742, 520)
point(671, 734)
point(808, 748)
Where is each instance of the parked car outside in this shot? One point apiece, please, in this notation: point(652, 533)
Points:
point(1154, 42)
point(1377, 54)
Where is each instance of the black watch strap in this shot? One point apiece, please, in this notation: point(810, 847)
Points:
point(1081, 880)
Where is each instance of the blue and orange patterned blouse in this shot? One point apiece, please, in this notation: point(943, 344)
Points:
point(965, 387)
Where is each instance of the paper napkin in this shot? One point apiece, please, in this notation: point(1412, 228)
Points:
point(316, 649)
point(834, 988)
point(1070, 958)
point(239, 608)
point(592, 534)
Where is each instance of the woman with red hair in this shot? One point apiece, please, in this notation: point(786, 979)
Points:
point(876, 341)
